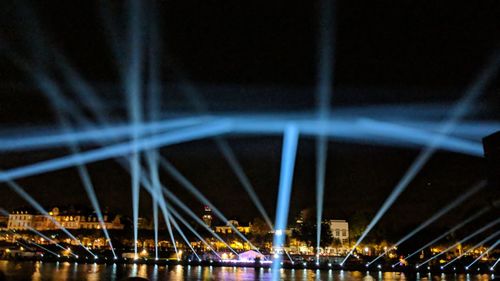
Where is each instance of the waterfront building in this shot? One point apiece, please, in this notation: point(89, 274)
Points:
point(340, 231)
point(70, 219)
point(227, 229)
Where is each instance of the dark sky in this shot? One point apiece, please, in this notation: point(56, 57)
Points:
point(261, 56)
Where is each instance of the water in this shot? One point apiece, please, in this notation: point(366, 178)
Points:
point(37, 271)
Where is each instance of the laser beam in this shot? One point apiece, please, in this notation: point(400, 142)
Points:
point(473, 247)
point(436, 216)
point(45, 249)
point(188, 226)
point(458, 111)
point(184, 182)
point(112, 151)
point(323, 96)
point(290, 142)
point(483, 254)
point(468, 237)
point(20, 191)
point(451, 230)
point(181, 205)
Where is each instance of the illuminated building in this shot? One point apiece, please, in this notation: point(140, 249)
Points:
point(227, 229)
point(340, 230)
point(20, 220)
point(24, 220)
point(207, 216)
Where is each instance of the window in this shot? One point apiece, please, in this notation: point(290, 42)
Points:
point(337, 232)
point(344, 232)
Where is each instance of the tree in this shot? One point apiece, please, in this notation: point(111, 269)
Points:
point(260, 232)
point(307, 232)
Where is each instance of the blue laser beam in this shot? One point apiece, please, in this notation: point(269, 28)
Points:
point(245, 182)
point(86, 135)
point(186, 209)
point(468, 237)
point(324, 93)
point(193, 190)
point(45, 249)
point(197, 101)
point(155, 189)
point(417, 136)
point(451, 230)
point(20, 191)
point(133, 94)
point(156, 194)
point(483, 254)
point(495, 264)
point(120, 149)
point(188, 226)
point(50, 240)
point(360, 130)
point(184, 238)
point(473, 247)
point(475, 188)
point(52, 91)
point(457, 113)
point(5, 213)
point(290, 142)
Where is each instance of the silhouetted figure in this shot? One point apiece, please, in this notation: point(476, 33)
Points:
point(2, 276)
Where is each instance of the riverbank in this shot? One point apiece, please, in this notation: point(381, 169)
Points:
point(323, 266)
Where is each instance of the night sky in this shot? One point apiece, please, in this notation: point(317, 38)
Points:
point(252, 56)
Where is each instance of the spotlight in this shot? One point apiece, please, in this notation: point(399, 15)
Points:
point(304, 264)
point(491, 269)
point(379, 266)
point(466, 268)
point(428, 268)
point(442, 268)
point(317, 264)
point(115, 258)
point(329, 265)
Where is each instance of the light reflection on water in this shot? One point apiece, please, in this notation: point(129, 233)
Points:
point(37, 271)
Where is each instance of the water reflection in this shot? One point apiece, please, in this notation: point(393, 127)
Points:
point(37, 275)
point(97, 272)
